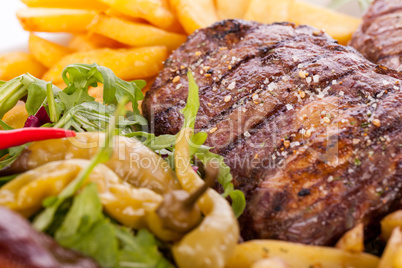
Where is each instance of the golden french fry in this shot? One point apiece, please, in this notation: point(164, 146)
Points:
point(17, 63)
point(93, 41)
point(353, 240)
point(298, 255)
point(46, 52)
point(270, 263)
point(194, 15)
point(391, 258)
point(269, 11)
point(156, 11)
point(390, 222)
point(125, 63)
point(338, 25)
point(17, 116)
point(55, 19)
point(73, 4)
point(114, 13)
point(232, 9)
point(135, 34)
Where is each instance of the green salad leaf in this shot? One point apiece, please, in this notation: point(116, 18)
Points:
point(140, 250)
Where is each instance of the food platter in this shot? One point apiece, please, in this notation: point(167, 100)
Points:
point(213, 133)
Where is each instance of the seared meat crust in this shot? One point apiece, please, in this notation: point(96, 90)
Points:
point(23, 247)
point(379, 38)
point(310, 129)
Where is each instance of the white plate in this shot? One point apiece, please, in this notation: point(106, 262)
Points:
point(14, 38)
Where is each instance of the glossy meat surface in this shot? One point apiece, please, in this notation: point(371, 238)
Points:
point(310, 129)
point(22, 246)
point(379, 38)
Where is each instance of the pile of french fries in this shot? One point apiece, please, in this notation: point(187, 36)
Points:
point(134, 37)
point(348, 252)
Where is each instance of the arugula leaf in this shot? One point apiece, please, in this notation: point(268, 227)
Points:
point(85, 229)
point(193, 103)
point(140, 250)
point(202, 152)
point(114, 89)
point(155, 142)
point(5, 126)
point(5, 179)
point(13, 154)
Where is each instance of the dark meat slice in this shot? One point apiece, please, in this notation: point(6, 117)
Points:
point(379, 38)
point(23, 247)
point(310, 129)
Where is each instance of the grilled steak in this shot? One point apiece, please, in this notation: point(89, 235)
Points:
point(23, 247)
point(379, 38)
point(310, 129)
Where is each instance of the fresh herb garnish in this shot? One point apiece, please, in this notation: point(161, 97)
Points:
point(203, 152)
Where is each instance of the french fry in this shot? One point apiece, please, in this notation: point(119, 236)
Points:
point(389, 223)
point(17, 116)
point(232, 9)
point(269, 11)
point(156, 12)
point(73, 4)
point(93, 41)
point(338, 25)
point(298, 255)
point(353, 240)
point(17, 63)
point(46, 52)
point(135, 34)
point(270, 263)
point(125, 63)
point(392, 256)
point(55, 19)
point(194, 15)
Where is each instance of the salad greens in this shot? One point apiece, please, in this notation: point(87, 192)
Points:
point(164, 145)
point(77, 221)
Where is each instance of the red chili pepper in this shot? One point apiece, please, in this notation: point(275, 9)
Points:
point(11, 138)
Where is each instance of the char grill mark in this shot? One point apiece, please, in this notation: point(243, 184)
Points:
point(332, 149)
point(379, 38)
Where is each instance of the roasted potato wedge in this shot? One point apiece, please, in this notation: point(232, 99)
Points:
point(194, 15)
point(135, 34)
point(55, 19)
point(390, 222)
point(353, 240)
point(46, 52)
point(298, 255)
point(17, 116)
point(17, 63)
point(73, 4)
point(338, 25)
point(232, 9)
point(156, 12)
point(125, 63)
point(269, 11)
point(392, 255)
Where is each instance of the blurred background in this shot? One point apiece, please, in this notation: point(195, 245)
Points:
point(14, 38)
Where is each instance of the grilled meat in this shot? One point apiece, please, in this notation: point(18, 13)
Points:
point(21, 246)
point(379, 38)
point(310, 129)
